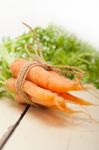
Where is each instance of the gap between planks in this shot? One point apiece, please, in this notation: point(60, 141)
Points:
point(12, 128)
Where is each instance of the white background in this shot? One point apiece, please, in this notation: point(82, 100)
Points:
point(78, 16)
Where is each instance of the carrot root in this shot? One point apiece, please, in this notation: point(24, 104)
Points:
point(74, 99)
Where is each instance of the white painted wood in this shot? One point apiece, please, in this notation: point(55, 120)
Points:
point(9, 114)
point(52, 130)
point(84, 141)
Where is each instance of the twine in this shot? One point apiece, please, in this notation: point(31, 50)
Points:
point(20, 81)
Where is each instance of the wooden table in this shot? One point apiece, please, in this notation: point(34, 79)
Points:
point(28, 128)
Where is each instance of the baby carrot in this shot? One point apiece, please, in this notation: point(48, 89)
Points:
point(45, 79)
point(39, 95)
point(63, 108)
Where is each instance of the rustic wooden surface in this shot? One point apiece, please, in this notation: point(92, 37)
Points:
point(51, 130)
point(9, 114)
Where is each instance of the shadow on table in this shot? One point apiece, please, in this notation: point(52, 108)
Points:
point(52, 117)
point(77, 122)
point(58, 119)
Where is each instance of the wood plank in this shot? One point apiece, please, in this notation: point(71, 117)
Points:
point(9, 114)
point(84, 141)
point(51, 130)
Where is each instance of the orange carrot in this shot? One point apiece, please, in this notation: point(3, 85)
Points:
point(74, 99)
point(46, 79)
point(45, 96)
point(20, 100)
point(76, 87)
point(39, 95)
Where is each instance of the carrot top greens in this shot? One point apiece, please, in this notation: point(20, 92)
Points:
point(59, 48)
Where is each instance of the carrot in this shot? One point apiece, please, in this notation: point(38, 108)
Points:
point(39, 95)
point(45, 79)
point(74, 99)
point(20, 100)
point(44, 96)
point(76, 87)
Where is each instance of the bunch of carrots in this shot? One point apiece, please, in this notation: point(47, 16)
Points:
point(45, 87)
point(41, 84)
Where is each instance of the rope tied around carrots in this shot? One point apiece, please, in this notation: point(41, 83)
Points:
point(38, 60)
